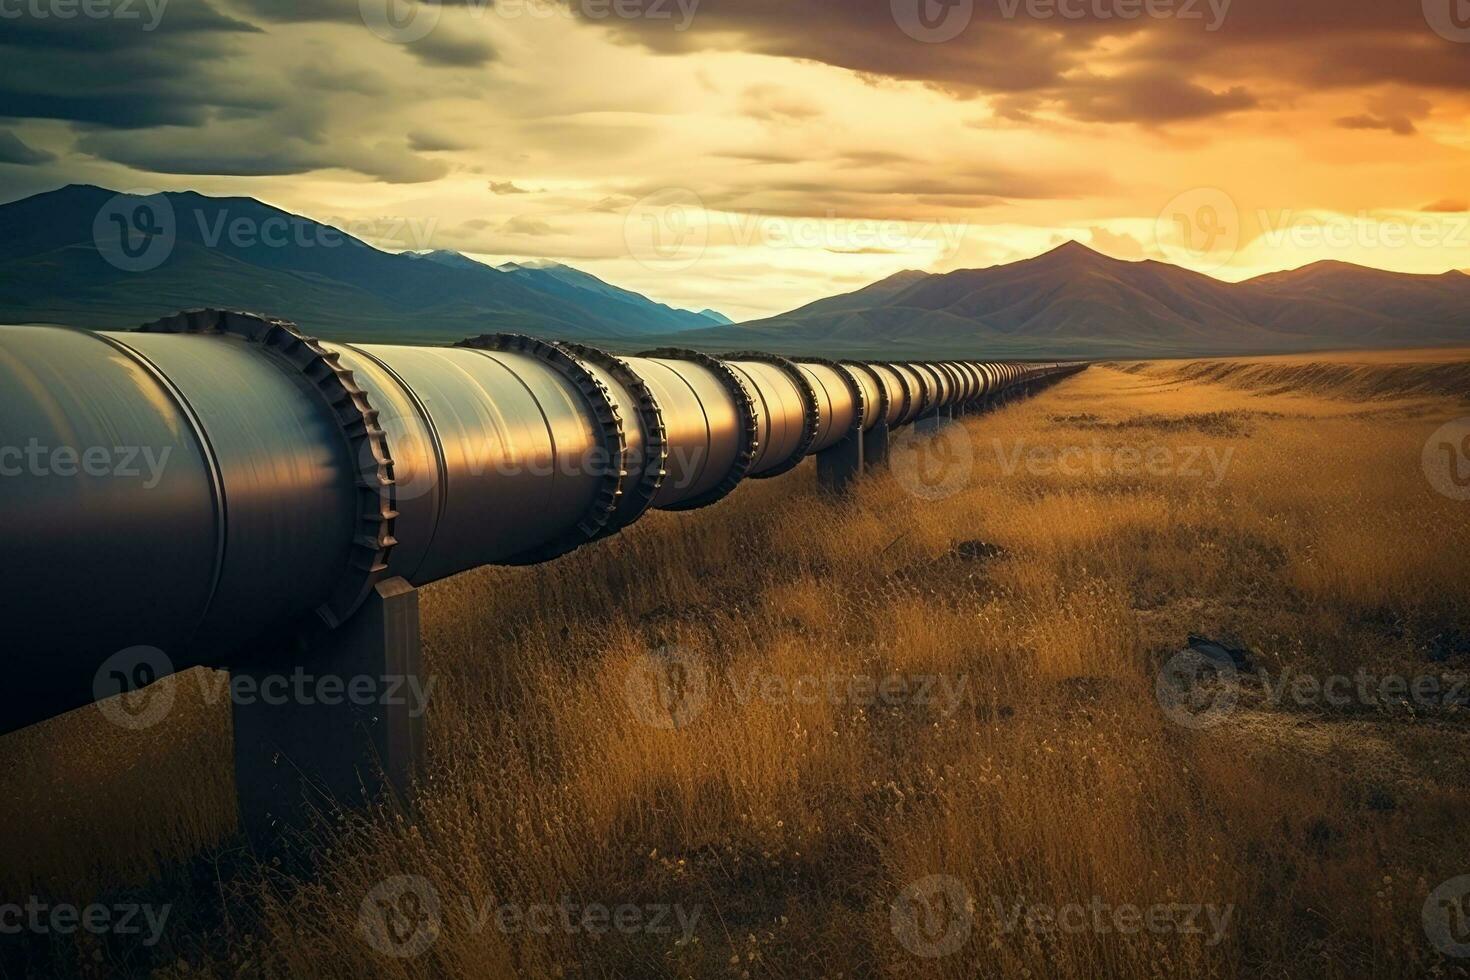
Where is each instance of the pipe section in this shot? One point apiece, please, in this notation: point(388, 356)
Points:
point(214, 476)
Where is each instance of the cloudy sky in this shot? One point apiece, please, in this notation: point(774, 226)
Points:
point(754, 155)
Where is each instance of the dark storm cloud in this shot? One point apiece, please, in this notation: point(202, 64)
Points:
point(120, 72)
point(197, 92)
point(1180, 67)
point(136, 25)
point(446, 45)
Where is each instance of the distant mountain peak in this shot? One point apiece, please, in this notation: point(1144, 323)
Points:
point(1075, 299)
point(1073, 247)
point(55, 269)
point(1074, 253)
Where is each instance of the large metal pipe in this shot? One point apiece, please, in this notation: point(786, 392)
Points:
point(214, 476)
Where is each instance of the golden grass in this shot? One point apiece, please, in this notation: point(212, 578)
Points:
point(793, 824)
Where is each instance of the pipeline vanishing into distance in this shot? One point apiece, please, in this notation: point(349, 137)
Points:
point(213, 476)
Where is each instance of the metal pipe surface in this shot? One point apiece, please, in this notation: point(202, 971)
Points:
point(212, 477)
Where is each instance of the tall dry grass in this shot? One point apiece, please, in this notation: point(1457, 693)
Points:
point(791, 825)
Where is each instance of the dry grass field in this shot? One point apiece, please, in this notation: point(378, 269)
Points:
point(917, 732)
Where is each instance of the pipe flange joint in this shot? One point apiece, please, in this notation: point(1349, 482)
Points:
point(376, 491)
point(812, 423)
point(653, 468)
point(854, 387)
point(612, 439)
point(881, 409)
point(903, 386)
point(749, 424)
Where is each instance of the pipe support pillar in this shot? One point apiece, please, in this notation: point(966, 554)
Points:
point(330, 719)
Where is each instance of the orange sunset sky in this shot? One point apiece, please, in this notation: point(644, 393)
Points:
point(754, 155)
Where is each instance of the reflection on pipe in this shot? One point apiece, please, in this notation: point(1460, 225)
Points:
point(197, 482)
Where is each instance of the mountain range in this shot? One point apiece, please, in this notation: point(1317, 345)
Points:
point(62, 260)
point(1077, 302)
point(73, 256)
